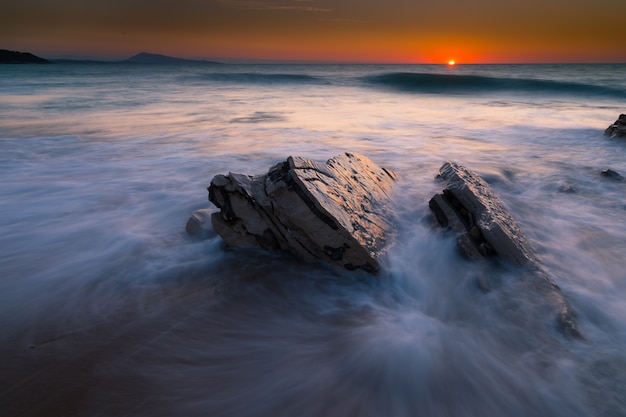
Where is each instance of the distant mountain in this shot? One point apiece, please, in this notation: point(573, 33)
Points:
point(80, 61)
point(146, 58)
point(15, 57)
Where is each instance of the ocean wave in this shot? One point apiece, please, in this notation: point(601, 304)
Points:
point(463, 84)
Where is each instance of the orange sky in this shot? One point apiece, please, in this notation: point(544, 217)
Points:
point(407, 31)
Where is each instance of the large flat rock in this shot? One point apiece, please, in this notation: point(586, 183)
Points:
point(336, 211)
point(486, 229)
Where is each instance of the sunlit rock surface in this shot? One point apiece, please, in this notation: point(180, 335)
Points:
point(617, 129)
point(336, 211)
point(485, 228)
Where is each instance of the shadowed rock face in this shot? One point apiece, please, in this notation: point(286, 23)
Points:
point(336, 211)
point(618, 128)
point(469, 207)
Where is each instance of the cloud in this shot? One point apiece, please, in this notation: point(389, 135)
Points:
point(291, 5)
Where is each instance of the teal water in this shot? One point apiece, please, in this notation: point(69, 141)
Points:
point(108, 308)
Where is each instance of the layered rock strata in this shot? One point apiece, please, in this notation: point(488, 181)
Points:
point(336, 211)
point(486, 229)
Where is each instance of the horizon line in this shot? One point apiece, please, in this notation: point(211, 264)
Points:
point(250, 60)
point(265, 61)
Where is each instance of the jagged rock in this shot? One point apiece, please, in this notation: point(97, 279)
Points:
point(469, 204)
point(199, 224)
point(609, 173)
point(469, 207)
point(618, 128)
point(337, 211)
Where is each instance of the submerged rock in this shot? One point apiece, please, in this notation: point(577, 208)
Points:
point(614, 175)
point(618, 128)
point(567, 188)
point(199, 224)
point(336, 211)
point(485, 228)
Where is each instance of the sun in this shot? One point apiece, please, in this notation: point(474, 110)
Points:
point(451, 63)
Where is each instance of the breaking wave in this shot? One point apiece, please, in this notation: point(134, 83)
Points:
point(460, 84)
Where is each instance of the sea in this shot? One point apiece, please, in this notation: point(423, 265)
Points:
point(108, 307)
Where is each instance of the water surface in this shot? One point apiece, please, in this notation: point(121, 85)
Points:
point(108, 308)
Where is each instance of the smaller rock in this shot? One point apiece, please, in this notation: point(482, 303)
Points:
point(567, 188)
point(469, 207)
point(199, 224)
point(609, 173)
point(617, 129)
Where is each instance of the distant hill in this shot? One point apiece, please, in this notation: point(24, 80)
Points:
point(15, 57)
point(146, 58)
point(80, 61)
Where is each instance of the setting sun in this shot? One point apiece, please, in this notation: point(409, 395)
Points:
point(451, 63)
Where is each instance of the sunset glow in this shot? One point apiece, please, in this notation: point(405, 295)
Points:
point(451, 63)
point(400, 31)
